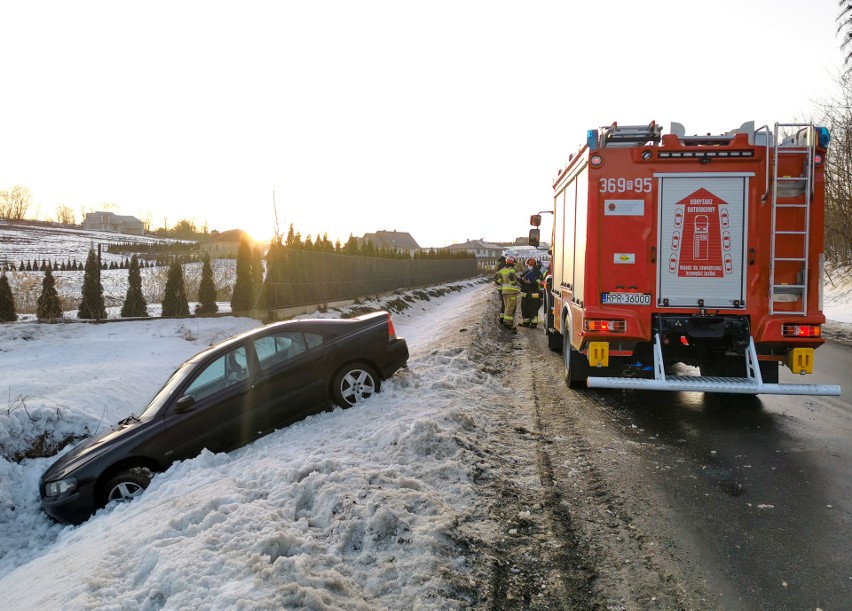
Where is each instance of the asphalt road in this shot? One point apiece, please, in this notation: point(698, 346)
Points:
point(621, 499)
point(756, 491)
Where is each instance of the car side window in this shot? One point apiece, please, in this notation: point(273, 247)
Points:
point(279, 347)
point(313, 340)
point(226, 370)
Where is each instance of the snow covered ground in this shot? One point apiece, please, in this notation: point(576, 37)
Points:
point(351, 509)
point(347, 509)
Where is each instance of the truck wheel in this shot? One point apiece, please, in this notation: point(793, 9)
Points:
point(576, 365)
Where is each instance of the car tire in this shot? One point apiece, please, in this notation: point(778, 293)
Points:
point(354, 383)
point(126, 485)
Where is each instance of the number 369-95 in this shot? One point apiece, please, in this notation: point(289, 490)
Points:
point(622, 185)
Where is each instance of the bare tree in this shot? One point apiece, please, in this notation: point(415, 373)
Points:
point(836, 114)
point(844, 25)
point(15, 202)
point(65, 215)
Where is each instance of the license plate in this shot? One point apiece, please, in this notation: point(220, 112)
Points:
point(626, 298)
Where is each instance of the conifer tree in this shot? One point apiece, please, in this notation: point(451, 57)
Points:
point(7, 301)
point(271, 293)
point(243, 298)
point(48, 306)
point(256, 273)
point(92, 304)
point(206, 290)
point(134, 303)
point(174, 297)
point(351, 246)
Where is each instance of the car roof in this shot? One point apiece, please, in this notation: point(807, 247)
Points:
point(304, 324)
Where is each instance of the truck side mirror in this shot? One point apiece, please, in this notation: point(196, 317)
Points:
point(535, 220)
point(535, 237)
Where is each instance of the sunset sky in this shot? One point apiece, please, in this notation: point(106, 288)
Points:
point(448, 120)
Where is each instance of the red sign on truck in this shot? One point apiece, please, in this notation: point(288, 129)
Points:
point(697, 238)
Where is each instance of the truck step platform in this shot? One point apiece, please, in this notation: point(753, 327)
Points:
point(751, 385)
point(715, 384)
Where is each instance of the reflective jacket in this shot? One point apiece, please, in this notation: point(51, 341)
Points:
point(507, 280)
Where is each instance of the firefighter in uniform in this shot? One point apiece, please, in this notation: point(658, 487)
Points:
point(507, 281)
point(530, 283)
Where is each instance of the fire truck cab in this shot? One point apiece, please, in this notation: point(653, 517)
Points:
point(703, 250)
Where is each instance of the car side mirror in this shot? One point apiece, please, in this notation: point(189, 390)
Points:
point(535, 237)
point(184, 404)
point(535, 220)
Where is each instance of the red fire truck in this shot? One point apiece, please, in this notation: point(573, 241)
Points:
point(705, 251)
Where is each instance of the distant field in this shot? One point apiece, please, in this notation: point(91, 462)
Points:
point(28, 242)
point(23, 241)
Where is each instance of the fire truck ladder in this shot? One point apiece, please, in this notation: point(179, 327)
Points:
point(794, 192)
point(629, 135)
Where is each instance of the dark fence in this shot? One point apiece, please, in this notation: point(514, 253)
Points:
point(297, 277)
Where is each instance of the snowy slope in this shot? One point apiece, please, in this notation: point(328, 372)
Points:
point(348, 509)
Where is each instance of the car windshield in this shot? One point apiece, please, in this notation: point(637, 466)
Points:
point(168, 389)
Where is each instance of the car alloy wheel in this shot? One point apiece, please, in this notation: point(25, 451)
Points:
point(355, 383)
point(127, 485)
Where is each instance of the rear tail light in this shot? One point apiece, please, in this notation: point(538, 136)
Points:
point(391, 330)
point(794, 330)
point(596, 325)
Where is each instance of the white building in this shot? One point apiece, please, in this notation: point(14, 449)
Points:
point(485, 252)
point(114, 223)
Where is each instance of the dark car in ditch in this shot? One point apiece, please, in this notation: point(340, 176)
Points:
point(223, 398)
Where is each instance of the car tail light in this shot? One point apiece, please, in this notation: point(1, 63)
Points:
point(391, 330)
point(605, 326)
point(794, 330)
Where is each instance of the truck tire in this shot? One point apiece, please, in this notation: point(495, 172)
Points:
point(576, 366)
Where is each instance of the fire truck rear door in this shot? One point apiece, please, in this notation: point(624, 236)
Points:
point(701, 237)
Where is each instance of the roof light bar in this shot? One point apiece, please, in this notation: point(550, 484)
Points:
point(677, 154)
